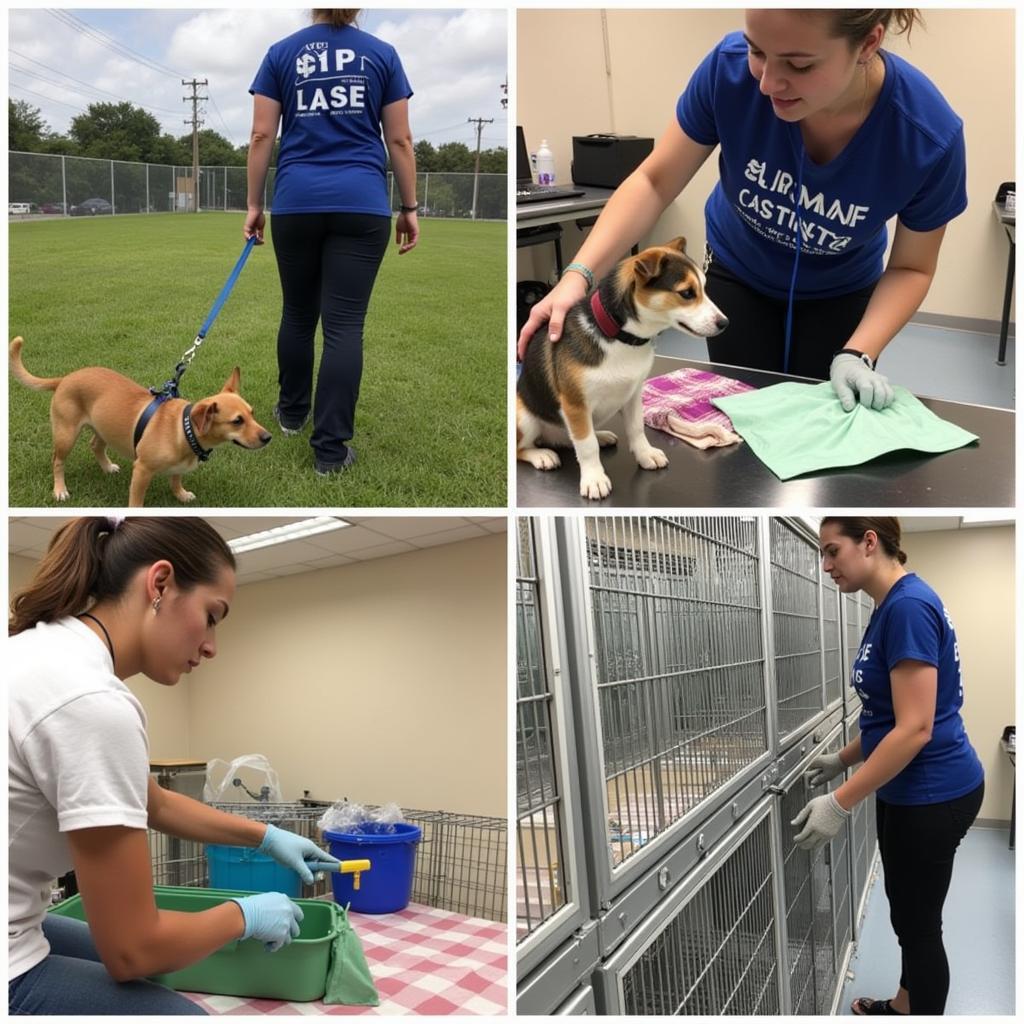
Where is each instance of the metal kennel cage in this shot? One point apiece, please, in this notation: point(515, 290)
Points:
point(701, 667)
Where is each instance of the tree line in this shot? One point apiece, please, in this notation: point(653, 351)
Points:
point(122, 131)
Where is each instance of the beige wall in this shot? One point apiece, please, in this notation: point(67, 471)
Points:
point(566, 87)
point(972, 570)
point(381, 681)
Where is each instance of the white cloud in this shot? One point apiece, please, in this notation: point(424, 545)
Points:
point(456, 61)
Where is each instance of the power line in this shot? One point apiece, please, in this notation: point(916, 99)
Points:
point(100, 93)
point(228, 135)
point(60, 103)
point(110, 43)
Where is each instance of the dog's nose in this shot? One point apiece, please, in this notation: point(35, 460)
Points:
point(266, 438)
point(721, 323)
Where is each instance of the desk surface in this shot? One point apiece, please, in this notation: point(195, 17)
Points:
point(980, 475)
point(528, 214)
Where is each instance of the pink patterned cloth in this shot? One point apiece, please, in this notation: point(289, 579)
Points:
point(680, 404)
point(423, 961)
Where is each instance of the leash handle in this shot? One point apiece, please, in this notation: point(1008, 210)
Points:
point(226, 290)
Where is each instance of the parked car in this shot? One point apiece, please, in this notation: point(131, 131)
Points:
point(19, 208)
point(51, 208)
point(91, 207)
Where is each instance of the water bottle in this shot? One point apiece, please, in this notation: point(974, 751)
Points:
point(545, 164)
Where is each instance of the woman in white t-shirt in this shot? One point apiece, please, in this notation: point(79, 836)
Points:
point(113, 598)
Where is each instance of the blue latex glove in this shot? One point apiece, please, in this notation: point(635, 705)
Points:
point(296, 852)
point(272, 917)
point(822, 819)
point(852, 378)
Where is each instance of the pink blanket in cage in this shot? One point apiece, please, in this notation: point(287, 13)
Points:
point(680, 404)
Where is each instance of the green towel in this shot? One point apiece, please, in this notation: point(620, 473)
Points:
point(801, 428)
point(348, 977)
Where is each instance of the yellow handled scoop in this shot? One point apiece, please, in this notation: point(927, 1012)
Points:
point(343, 867)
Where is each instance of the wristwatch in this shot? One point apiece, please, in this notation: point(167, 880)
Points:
point(409, 209)
point(863, 356)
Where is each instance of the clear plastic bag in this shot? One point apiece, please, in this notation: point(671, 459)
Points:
point(348, 817)
point(249, 774)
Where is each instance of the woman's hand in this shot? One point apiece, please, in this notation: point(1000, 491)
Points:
point(270, 917)
point(296, 852)
point(852, 380)
point(826, 768)
point(407, 232)
point(822, 818)
point(254, 224)
point(552, 309)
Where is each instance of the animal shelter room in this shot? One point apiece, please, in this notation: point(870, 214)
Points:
point(314, 821)
point(765, 765)
point(778, 247)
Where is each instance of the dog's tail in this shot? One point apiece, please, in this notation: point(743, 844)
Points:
point(26, 378)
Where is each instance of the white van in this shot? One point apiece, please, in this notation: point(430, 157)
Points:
point(19, 208)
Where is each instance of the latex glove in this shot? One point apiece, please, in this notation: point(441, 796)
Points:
point(270, 916)
point(852, 378)
point(822, 819)
point(827, 767)
point(296, 852)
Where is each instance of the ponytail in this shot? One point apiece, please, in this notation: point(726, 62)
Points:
point(336, 18)
point(93, 558)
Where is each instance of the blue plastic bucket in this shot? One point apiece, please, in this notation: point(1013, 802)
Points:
point(387, 886)
point(243, 867)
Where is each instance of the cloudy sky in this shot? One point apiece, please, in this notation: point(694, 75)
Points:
point(61, 61)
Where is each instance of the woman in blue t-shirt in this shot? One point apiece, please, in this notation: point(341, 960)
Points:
point(823, 137)
point(926, 777)
point(334, 90)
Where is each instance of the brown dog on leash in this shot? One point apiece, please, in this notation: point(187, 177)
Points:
point(176, 437)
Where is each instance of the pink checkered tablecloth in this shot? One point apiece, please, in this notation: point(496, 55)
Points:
point(422, 960)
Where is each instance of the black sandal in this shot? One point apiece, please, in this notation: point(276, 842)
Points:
point(863, 1006)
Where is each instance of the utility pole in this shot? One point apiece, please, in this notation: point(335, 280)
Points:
point(479, 122)
point(195, 122)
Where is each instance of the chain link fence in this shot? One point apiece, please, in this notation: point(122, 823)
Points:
point(45, 184)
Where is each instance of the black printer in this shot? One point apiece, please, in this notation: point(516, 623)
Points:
point(605, 161)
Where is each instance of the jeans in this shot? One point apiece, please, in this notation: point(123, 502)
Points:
point(756, 335)
point(917, 845)
point(72, 980)
point(327, 263)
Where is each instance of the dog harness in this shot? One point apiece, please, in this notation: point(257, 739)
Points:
point(201, 453)
point(609, 326)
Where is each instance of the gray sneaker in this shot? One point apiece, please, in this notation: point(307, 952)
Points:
point(289, 431)
point(329, 468)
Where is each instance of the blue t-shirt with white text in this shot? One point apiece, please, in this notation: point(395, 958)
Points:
point(912, 623)
point(332, 84)
point(907, 159)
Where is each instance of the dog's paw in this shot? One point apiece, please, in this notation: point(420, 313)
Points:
point(605, 438)
point(652, 458)
point(62, 494)
point(543, 458)
point(185, 496)
point(595, 485)
point(111, 467)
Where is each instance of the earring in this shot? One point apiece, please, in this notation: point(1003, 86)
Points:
point(156, 605)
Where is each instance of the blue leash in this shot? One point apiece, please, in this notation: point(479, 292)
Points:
point(169, 388)
point(796, 263)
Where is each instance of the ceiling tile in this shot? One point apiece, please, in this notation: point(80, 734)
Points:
point(468, 532)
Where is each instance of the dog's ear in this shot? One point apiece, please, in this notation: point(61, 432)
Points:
point(677, 243)
point(647, 266)
point(233, 382)
point(202, 415)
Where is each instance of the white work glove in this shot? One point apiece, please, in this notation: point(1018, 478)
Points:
point(852, 378)
point(826, 768)
point(822, 818)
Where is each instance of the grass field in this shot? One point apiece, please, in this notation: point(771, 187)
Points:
point(131, 292)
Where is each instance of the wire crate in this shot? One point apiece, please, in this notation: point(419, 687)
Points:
point(675, 607)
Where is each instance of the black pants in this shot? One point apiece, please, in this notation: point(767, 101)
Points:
point(327, 263)
point(917, 846)
point(756, 335)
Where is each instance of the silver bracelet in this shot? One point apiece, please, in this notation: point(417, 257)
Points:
point(581, 269)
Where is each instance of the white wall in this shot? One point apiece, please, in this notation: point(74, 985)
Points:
point(566, 87)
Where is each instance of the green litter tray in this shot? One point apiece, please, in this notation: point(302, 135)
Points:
point(297, 973)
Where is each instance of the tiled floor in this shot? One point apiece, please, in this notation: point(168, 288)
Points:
point(978, 926)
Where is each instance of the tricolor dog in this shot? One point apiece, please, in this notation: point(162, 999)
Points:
point(570, 387)
point(169, 436)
